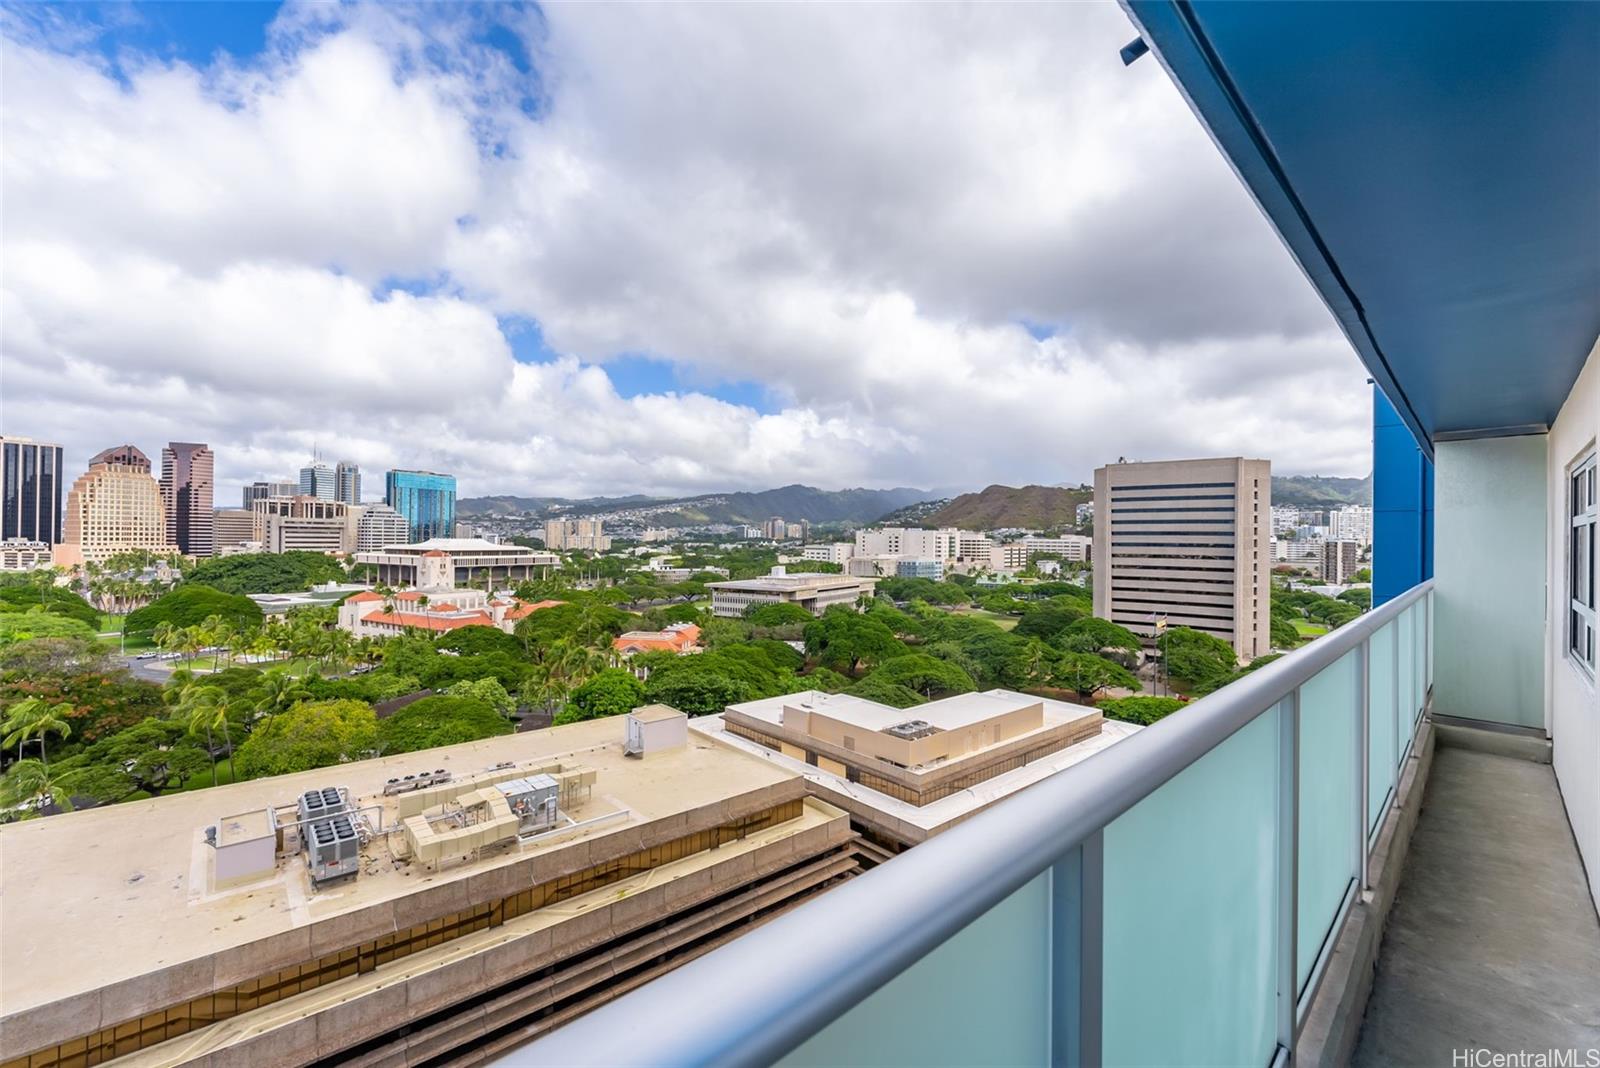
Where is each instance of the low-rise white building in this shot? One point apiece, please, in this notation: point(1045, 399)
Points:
point(815, 593)
point(838, 552)
point(471, 562)
point(20, 554)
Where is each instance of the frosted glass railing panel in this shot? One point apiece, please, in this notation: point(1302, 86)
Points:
point(1190, 911)
point(1330, 787)
point(1419, 645)
point(1427, 658)
point(1380, 724)
point(983, 997)
point(1406, 669)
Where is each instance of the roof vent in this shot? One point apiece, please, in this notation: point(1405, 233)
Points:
point(911, 729)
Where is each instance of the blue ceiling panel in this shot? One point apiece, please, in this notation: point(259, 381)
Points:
point(1435, 167)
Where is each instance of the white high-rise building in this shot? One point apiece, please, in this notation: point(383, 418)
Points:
point(1351, 523)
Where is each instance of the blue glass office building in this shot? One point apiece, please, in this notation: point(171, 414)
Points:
point(426, 499)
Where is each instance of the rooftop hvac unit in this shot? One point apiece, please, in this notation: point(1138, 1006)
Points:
point(316, 804)
point(333, 850)
point(421, 780)
point(911, 729)
point(534, 800)
point(654, 728)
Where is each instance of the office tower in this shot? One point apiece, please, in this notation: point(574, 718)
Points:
point(1186, 542)
point(260, 491)
point(187, 480)
point(426, 499)
point(586, 534)
point(30, 490)
point(114, 506)
point(380, 526)
point(286, 524)
point(234, 527)
point(347, 483)
point(318, 479)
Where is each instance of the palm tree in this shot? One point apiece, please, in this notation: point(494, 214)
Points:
point(34, 718)
point(206, 709)
point(29, 782)
point(215, 631)
point(279, 691)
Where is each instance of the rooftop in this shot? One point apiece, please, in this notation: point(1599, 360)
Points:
point(138, 872)
point(786, 583)
point(947, 713)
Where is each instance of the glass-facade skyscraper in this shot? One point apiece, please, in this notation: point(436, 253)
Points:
point(317, 480)
point(427, 500)
point(30, 490)
point(347, 482)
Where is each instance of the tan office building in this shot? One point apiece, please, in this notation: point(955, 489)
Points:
point(1187, 542)
point(441, 906)
point(114, 506)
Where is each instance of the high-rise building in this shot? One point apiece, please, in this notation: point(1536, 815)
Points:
point(1185, 543)
point(347, 482)
point(319, 479)
point(187, 480)
point(234, 527)
point(1340, 561)
point(586, 534)
point(114, 506)
point(426, 499)
point(379, 527)
point(30, 490)
point(260, 491)
point(285, 524)
point(775, 528)
point(1351, 523)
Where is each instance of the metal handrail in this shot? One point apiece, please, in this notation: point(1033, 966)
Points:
point(755, 999)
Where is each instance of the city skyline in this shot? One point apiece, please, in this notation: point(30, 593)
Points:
point(543, 305)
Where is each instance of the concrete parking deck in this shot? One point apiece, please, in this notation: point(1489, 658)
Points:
point(1493, 942)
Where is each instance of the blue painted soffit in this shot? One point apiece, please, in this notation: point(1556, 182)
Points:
point(1434, 167)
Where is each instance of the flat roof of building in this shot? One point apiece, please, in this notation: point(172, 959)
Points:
point(935, 815)
point(655, 713)
point(947, 713)
point(109, 894)
point(787, 583)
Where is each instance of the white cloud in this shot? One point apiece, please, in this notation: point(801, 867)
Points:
point(853, 207)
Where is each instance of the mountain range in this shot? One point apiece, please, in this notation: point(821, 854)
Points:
point(1033, 507)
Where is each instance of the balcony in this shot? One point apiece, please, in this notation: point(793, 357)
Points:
point(1372, 851)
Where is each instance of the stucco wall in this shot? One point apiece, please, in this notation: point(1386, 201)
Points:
point(1573, 710)
point(1489, 571)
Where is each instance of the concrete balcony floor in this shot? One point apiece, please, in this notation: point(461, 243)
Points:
point(1493, 941)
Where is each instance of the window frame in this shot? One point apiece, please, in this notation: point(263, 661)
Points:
point(1580, 492)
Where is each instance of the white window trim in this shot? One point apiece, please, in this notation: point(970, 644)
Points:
point(1584, 465)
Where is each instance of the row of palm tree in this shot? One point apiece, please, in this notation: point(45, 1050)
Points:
point(303, 636)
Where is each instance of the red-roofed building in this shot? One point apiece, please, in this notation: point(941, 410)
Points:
point(680, 638)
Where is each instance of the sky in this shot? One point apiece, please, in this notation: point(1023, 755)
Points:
point(593, 249)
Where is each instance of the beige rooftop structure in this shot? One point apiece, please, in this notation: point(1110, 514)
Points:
point(815, 593)
point(907, 773)
point(453, 901)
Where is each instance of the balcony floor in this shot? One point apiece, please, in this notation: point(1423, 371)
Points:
point(1493, 941)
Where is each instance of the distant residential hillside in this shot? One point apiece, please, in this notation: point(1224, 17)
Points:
point(793, 503)
point(1034, 507)
point(1318, 491)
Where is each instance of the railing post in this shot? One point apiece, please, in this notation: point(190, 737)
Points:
point(1394, 625)
point(1078, 942)
point(1288, 867)
point(1363, 763)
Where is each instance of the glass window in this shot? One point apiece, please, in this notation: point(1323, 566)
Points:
point(1580, 564)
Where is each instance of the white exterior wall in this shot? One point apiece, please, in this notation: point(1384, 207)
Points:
point(1572, 712)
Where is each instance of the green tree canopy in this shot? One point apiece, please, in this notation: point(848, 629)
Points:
point(1142, 710)
point(923, 674)
point(189, 605)
point(886, 693)
point(1193, 656)
point(844, 638)
point(477, 641)
point(613, 692)
point(435, 721)
point(56, 600)
point(776, 615)
point(1048, 622)
point(266, 572)
point(1087, 674)
point(488, 689)
point(26, 626)
point(1360, 596)
point(312, 734)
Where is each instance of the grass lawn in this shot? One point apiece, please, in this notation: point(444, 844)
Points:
point(110, 624)
point(1309, 629)
point(999, 619)
point(202, 781)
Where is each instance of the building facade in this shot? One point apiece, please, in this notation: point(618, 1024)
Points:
point(187, 480)
point(20, 554)
point(1341, 559)
point(1351, 523)
point(347, 482)
point(587, 535)
point(1187, 542)
point(318, 479)
point(380, 526)
point(838, 552)
point(260, 491)
point(426, 499)
point(31, 485)
point(815, 593)
point(114, 506)
point(234, 527)
point(472, 562)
